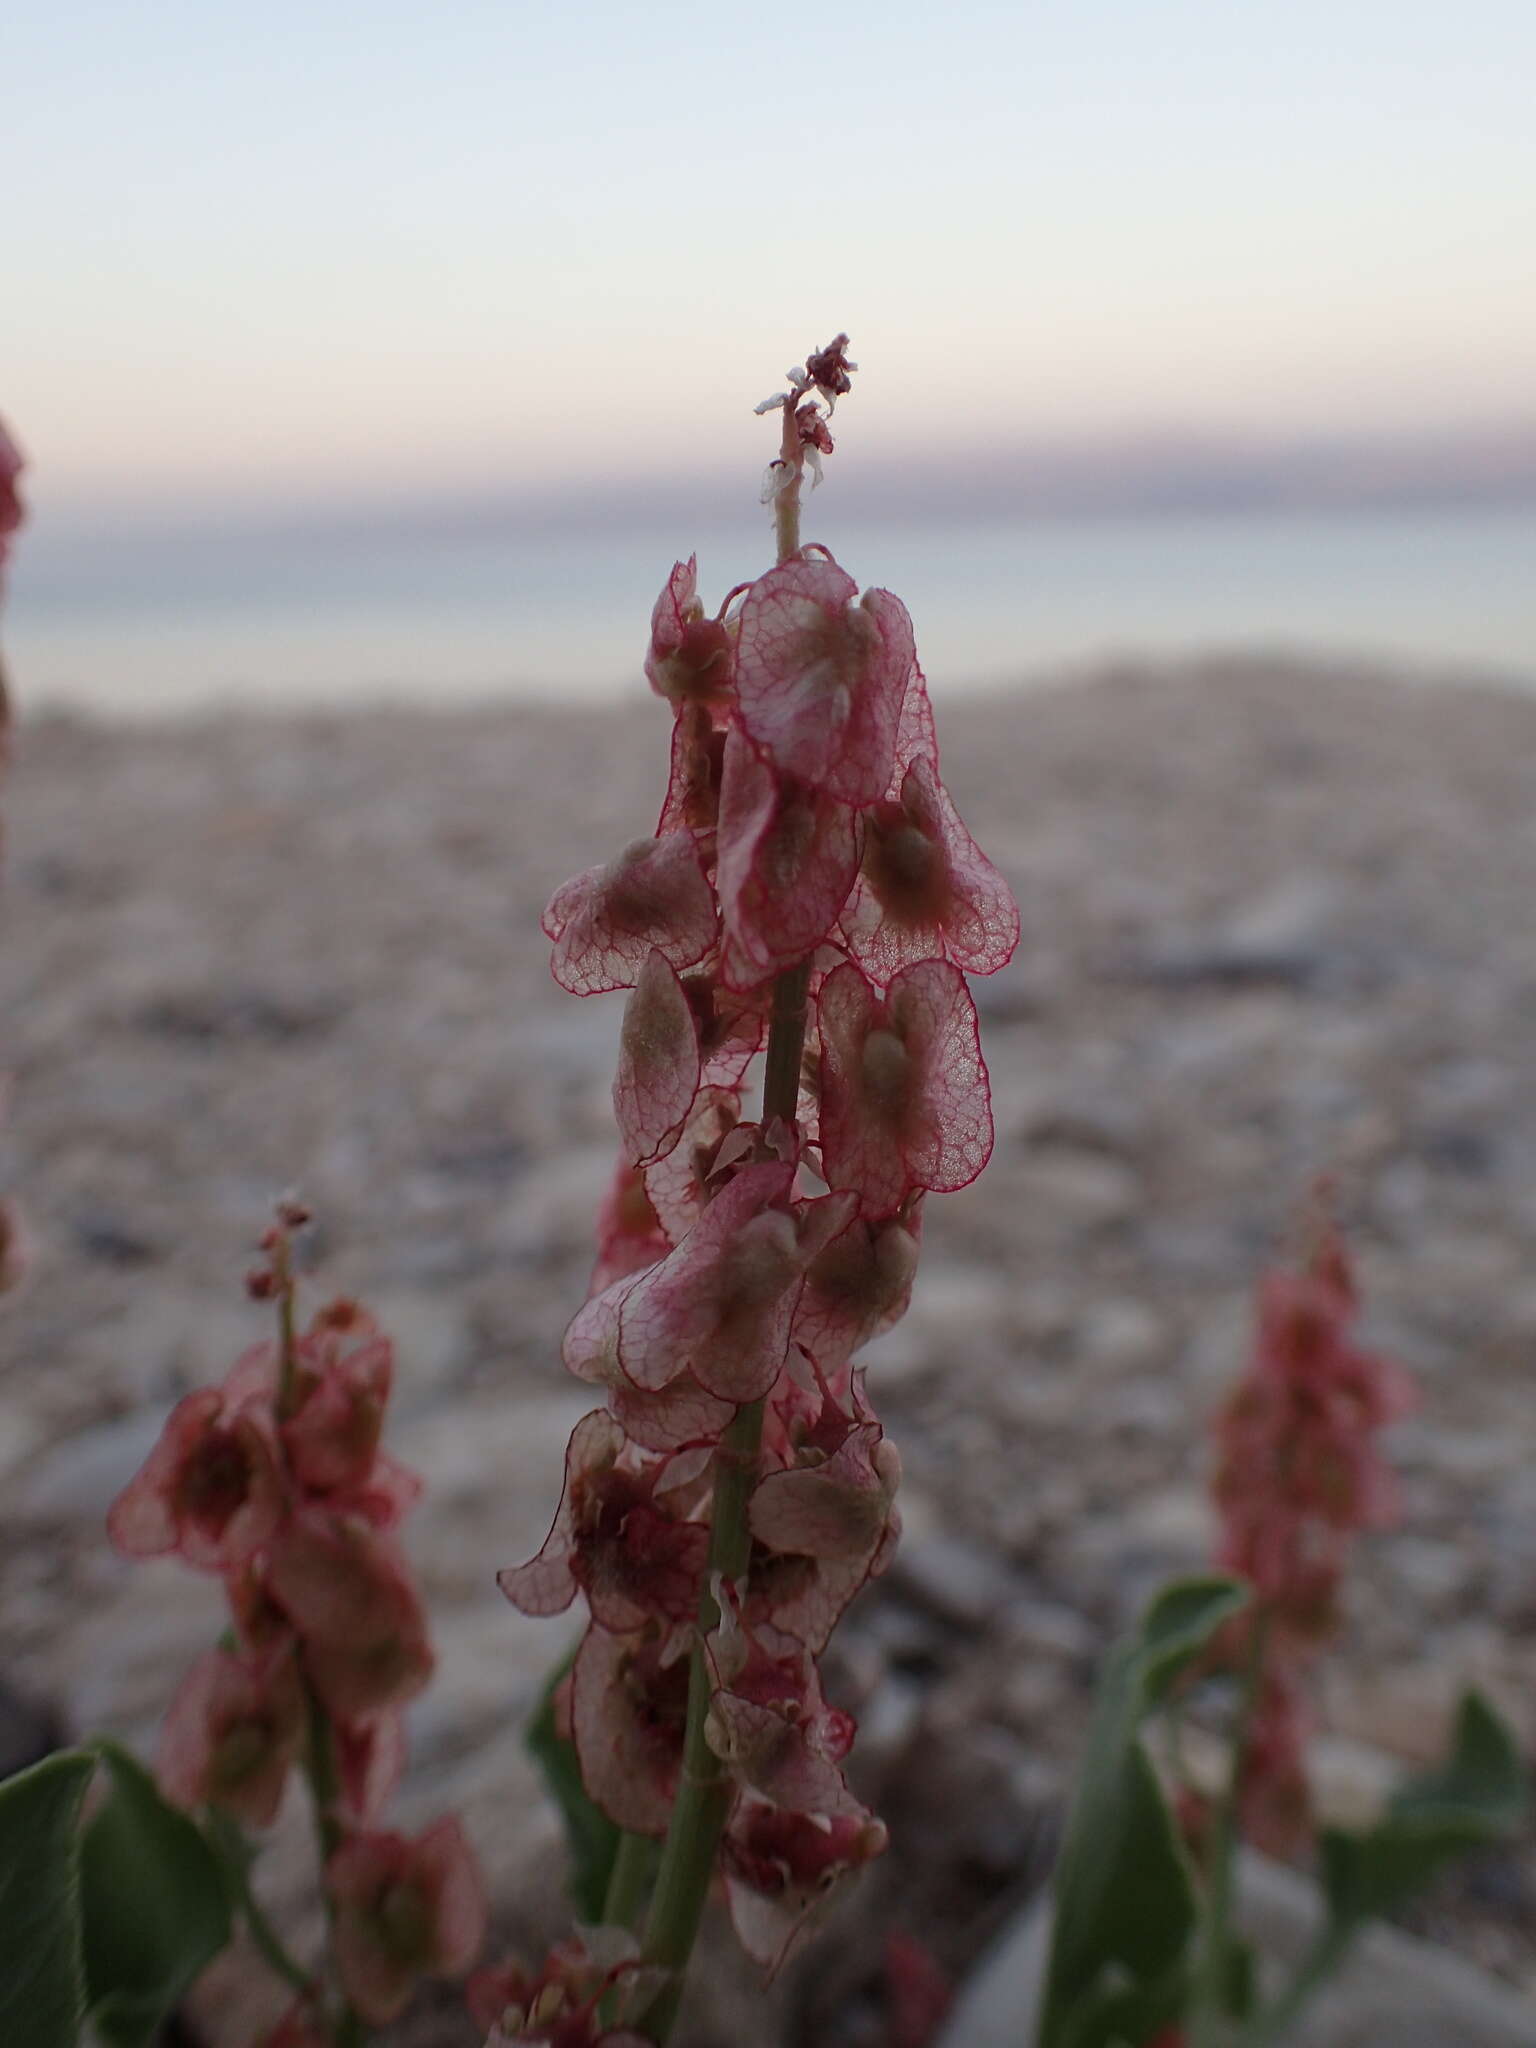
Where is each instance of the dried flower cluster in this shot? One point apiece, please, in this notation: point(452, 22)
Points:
point(276, 1481)
point(1298, 1473)
point(809, 888)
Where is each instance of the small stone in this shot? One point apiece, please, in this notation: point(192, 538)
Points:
point(1282, 938)
point(889, 1718)
point(111, 1238)
point(1080, 1190)
point(1033, 1694)
point(951, 1579)
point(1120, 1335)
point(431, 1344)
point(1043, 1628)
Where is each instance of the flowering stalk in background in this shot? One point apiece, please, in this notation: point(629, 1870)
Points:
point(277, 1482)
point(811, 895)
point(1143, 1948)
point(1298, 1474)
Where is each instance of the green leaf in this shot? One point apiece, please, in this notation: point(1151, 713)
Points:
point(1241, 1991)
point(1125, 1898)
point(592, 1837)
point(1476, 1796)
point(42, 1979)
point(1118, 2015)
point(155, 1904)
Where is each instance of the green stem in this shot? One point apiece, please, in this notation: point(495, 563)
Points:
point(704, 1787)
point(786, 1041)
point(228, 1845)
point(287, 1341)
point(786, 504)
point(1208, 2015)
point(324, 1792)
point(320, 1770)
point(1315, 1968)
point(320, 1748)
point(628, 1880)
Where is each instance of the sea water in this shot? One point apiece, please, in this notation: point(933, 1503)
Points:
point(138, 622)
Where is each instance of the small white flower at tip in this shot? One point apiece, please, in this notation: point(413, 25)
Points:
point(772, 404)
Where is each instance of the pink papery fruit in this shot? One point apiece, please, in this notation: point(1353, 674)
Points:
point(211, 1489)
point(347, 1589)
point(260, 1623)
point(1299, 1470)
point(720, 1305)
point(676, 1415)
point(787, 855)
point(404, 1909)
point(780, 1865)
point(370, 1762)
point(826, 1524)
point(768, 1722)
point(820, 678)
point(917, 735)
point(658, 1073)
point(689, 660)
point(629, 1232)
point(605, 923)
point(678, 1186)
point(331, 1435)
point(629, 1709)
point(904, 1097)
point(926, 891)
point(232, 1730)
point(572, 2000)
point(692, 801)
point(613, 1539)
point(857, 1287)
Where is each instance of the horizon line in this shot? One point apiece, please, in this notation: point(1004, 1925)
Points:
point(1162, 473)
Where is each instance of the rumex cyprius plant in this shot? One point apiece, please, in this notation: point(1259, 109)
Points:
point(809, 896)
point(1299, 1472)
point(1146, 1950)
point(277, 1482)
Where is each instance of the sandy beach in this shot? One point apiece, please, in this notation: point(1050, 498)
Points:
point(1277, 921)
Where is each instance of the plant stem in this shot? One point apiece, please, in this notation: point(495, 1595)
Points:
point(704, 1786)
point(786, 1042)
point(320, 1748)
point(786, 504)
point(287, 1346)
point(1207, 2017)
point(229, 1846)
point(320, 1770)
point(627, 1881)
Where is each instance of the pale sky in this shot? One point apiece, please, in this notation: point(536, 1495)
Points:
point(316, 251)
